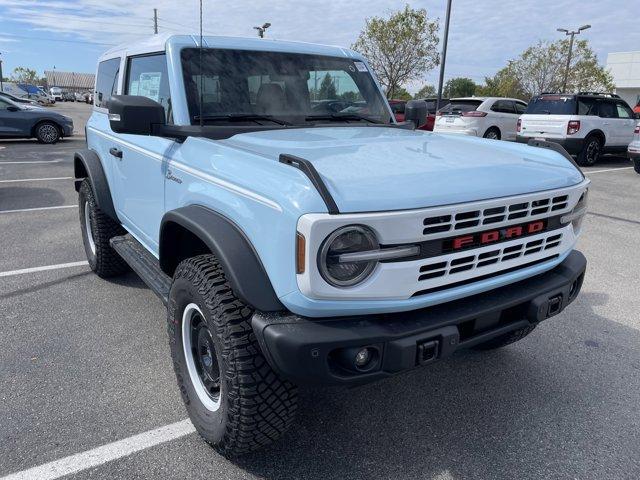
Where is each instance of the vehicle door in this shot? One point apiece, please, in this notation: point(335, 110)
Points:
point(13, 121)
point(140, 161)
point(608, 113)
point(624, 124)
point(505, 117)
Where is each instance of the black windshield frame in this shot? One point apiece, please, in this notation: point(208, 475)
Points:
point(229, 72)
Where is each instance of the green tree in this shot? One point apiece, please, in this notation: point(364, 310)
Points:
point(425, 92)
point(503, 84)
point(400, 48)
point(401, 93)
point(541, 68)
point(24, 75)
point(327, 90)
point(459, 87)
point(350, 96)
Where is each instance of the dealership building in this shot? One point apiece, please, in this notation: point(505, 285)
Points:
point(625, 68)
point(71, 81)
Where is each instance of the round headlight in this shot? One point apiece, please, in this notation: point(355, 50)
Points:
point(350, 239)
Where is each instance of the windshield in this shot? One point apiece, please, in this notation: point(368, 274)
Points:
point(552, 105)
point(285, 88)
point(458, 107)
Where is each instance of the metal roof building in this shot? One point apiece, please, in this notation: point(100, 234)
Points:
point(70, 80)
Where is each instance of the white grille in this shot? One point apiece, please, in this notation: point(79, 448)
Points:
point(496, 214)
point(407, 279)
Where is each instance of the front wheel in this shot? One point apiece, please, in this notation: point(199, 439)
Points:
point(235, 400)
point(47, 132)
point(636, 164)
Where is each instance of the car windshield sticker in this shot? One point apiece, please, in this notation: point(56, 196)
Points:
point(360, 66)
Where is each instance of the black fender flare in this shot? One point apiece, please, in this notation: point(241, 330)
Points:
point(86, 163)
point(232, 248)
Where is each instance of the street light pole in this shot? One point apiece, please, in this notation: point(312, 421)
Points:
point(570, 34)
point(262, 29)
point(444, 54)
point(1, 84)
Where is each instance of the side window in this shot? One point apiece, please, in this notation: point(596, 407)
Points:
point(608, 110)
point(624, 111)
point(503, 106)
point(106, 81)
point(587, 106)
point(398, 107)
point(520, 108)
point(147, 76)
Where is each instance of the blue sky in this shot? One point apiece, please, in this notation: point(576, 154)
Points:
point(70, 34)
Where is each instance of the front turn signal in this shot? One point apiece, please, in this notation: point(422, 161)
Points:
point(300, 252)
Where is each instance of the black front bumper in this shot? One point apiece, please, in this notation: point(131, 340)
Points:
point(311, 350)
point(572, 145)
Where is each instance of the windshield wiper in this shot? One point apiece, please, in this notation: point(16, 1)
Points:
point(239, 117)
point(337, 117)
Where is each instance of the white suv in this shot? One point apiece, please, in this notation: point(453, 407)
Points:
point(634, 149)
point(488, 117)
point(586, 124)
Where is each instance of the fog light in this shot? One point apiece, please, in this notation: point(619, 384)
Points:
point(362, 357)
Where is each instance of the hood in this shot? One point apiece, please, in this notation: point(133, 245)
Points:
point(379, 168)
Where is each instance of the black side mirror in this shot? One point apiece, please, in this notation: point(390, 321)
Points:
point(416, 111)
point(636, 115)
point(135, 114)
point(12, 108)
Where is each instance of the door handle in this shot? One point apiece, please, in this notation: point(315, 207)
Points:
point(116, 152)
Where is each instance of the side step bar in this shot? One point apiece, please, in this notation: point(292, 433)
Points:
point(144, 264)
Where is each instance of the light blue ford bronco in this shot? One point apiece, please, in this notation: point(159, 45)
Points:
point(299, 235)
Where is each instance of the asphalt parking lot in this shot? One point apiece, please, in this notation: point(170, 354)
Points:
point(85, 363)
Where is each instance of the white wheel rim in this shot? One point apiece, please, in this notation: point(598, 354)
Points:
point(88, 229)
point(48, 132)
point(211, 404)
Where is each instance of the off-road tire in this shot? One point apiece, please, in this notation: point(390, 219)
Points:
point(47, 132)
point(104, 261)
point(636, 165)
point(255, 406)
point(506, 339)
point(587, 157)
point(492, 133)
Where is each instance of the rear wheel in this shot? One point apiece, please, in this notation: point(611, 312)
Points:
point(47, 132)
point(234, 399)
point(492, 134)
point(591, 151)
point(97, 229)
point(506, 339)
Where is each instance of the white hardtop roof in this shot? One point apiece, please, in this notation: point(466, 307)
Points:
point(160, 42)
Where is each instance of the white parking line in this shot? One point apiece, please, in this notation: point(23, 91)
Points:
point(11, 273)
point(106, 453)
point(38, 208)
point(607, 170)
point(31, 161)
point(36, 179)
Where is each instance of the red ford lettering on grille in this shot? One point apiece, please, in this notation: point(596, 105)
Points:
point(493, 236)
